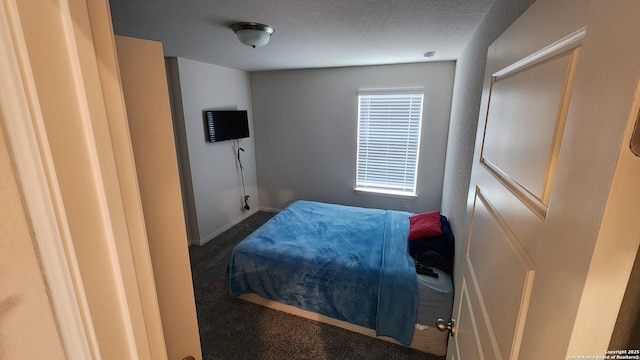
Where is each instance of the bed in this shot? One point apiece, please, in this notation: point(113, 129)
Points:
point(346, 266)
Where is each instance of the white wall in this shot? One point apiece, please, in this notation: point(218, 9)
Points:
point(215, 180)
point(306, 125)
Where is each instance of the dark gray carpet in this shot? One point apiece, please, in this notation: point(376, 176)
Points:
point(234, 329)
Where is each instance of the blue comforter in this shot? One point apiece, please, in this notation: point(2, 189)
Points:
point(348, 263)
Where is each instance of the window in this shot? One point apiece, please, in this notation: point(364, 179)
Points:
point(388, 141)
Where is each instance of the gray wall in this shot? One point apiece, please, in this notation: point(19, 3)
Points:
point(464, 114)
point(213, 187)
point(306, 124)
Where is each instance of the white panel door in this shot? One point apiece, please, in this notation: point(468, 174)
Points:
point(144, 85)
point(539, 185)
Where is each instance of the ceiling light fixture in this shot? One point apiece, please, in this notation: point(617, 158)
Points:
point(252, 34)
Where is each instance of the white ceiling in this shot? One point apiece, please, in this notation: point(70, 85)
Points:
point(309, 33)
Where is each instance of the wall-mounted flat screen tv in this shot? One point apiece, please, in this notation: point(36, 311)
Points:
point(223, 125)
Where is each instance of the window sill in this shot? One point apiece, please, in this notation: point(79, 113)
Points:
point(385, 192)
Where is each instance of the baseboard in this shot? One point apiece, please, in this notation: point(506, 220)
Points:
point(219, 231)
point(271, 210)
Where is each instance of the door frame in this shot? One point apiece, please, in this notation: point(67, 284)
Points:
point(88, 50)
point(33, 165)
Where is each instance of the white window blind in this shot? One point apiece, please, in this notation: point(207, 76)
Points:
point(388, 141)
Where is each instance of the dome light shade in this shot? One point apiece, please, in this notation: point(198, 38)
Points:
point(253, 34)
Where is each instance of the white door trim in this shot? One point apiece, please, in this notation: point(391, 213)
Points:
point(33, 163)
point(567, 43)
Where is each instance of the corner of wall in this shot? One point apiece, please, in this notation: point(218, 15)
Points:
point(184, 167)
point(465, 107)
point(213, 183)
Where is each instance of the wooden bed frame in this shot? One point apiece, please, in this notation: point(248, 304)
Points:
point(429, 340)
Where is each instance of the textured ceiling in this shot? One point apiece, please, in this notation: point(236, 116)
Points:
point(309, 33)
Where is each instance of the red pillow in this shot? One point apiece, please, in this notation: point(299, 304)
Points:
point(424, 225)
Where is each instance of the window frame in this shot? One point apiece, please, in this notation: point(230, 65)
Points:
point(381, 188)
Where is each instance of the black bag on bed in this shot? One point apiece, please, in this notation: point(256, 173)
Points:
point(435, 251)
point(426, 260)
